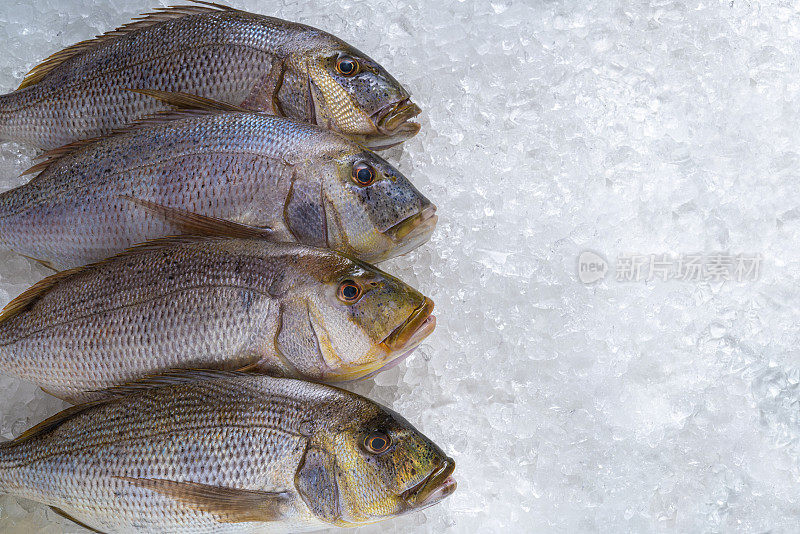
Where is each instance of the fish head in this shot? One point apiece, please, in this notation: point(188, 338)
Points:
point(351, 322)
point(359, 204)
point(348, 92)
point(377, 465)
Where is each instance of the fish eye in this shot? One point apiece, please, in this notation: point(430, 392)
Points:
point(363, 174)
point(349, 291)
point(346, 66)
point(377, 442)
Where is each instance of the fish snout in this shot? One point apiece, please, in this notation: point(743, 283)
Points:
point(417, 226)
point(393, 124)
point(394, 116)
point(419, 325)
point(438, 485)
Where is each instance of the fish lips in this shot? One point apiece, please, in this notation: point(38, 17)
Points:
point(438, 485)
point(394, 125)
point(395, 117)
point(417, 224)
point(414, 329)
point(414, 230)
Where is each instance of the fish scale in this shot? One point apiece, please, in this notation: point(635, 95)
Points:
point(259, 450)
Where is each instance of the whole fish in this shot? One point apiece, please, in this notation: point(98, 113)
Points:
point(223, 173)
point(211, 303)
point(204, 452)
point(214, 51)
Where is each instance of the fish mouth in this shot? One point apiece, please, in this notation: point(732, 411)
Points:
point(394, 124)
point(415, 227)
point(414, 329)
point(394, 117)
point(438, 485)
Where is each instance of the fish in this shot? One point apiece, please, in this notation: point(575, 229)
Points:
point(206, 172)
point(214, 51)
point(220, 452)
point(211, 303)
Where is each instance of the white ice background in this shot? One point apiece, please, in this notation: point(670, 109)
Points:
point(550, 128)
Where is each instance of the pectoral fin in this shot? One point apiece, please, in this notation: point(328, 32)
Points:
point(311, 109)
point(188, 101)
point(195, 224)
point(65, 515)
point(44, 263)
point(254, 368)
point(231, 505)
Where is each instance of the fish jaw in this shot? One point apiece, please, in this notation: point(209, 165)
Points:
point(395, 117)
point(413, 231)
point(434, 488)
point(368, 371)
point(394, 125)
point(419, 325)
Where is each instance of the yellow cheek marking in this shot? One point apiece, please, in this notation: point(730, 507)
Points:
point(348, 118)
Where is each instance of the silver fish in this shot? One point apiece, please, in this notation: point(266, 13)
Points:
point(214, 51)
point(210, 303)
point(209, 453)
point(221, 173)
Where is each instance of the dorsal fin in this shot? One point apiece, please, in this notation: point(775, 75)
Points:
point(52, 422)
point(51, 156)
point(151, 382)
point(31, 295)
point(145, 20)
point(26, 299)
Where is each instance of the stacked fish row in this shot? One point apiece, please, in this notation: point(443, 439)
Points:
point(209, 206)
